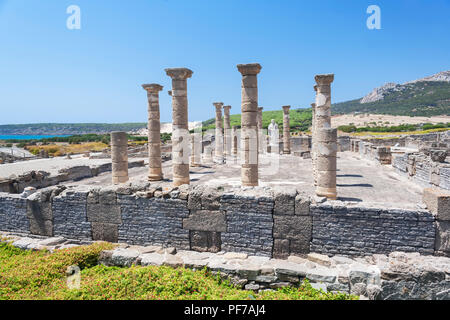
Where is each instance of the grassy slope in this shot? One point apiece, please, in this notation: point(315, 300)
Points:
point(418, 99)
point(41, 275)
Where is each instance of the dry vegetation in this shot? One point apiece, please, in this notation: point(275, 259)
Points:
point(56, 150)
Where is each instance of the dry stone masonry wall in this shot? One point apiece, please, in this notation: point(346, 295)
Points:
point(258, 221)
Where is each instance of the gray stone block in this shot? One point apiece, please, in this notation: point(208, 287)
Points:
point(442, 244)
point(205, 220)
point(205, 241)
point(284, 201)
point(105, 232)
point(292, 227)
point(103, 213)
point(438, 202)
point(281, 248)
point(302, 204)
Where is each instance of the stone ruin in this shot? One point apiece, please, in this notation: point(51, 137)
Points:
point(260, 235)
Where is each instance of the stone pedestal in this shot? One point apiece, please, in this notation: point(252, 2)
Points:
point(180, 126)
point(249, 129)
point(218, 152)
point(119, 155)
point(326, 139)
point(154, 132)
point(286, 131)
point(226, 131)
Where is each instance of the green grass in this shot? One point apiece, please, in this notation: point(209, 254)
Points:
point(41, 275)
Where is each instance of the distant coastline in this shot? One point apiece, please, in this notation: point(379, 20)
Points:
point(28, 137)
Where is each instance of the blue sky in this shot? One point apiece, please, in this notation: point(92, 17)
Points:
point(52, 74)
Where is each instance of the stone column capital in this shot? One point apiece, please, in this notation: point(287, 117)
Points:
point(286, 109)
point(249, 69)
point(179, 73)
point(153, 87)
point(218, 105)
point(324, 79)
point(260, 109)
point(226, 109)
point(313, 105)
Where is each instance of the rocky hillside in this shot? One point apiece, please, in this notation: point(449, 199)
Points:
point(428, 96)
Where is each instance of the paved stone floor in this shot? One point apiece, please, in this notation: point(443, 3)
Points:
point(357, 179)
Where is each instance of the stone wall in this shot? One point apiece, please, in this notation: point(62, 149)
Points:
point(42, 179)
point(422, 170)
point(359, 230)
point(257, 221)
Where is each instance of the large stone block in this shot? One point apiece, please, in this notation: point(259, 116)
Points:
point(281, 248)
point(105, 232)
point(103, 213)
point(205, 241)
point(206, 220)
point(442, 244)
point(438, 202)
point(284, 201)
point(292, 227)
point(302, 204)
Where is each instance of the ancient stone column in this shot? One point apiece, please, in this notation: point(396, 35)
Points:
point(286, 131)
point(326, 139)
point(260, 130)
point(154, 132)
point(119, 155)
point(313, 140)
point(196, 146)
point(249, 129)
point(226, 131)
point(218, 152)
point(235, 142)
point(180, 125)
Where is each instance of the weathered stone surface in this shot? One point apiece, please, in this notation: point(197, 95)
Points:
point(320, 259)
point(152, 259)
point(443, 237)
point(105, 232)
point(205, 220)
point(281, 248)
point(284, 201)
point(438, 202)
point(205, 241)
point(302, 204)
point(124, 257)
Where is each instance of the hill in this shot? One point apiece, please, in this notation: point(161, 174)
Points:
point(418, 98)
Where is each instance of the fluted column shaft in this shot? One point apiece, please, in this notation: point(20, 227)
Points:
point(154, 132)
point(180, 125)
point(249, 129)
point(326, 139)
point(119, 155)
point(286, 131)
point(234, 137)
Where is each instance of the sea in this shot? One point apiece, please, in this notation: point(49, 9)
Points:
point(29, 137)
